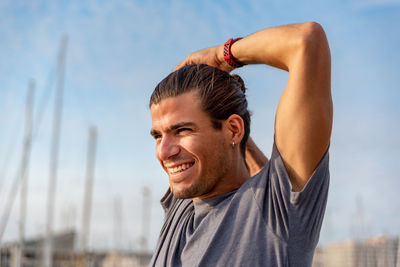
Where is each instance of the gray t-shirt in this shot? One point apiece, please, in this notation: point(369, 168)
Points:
point(263, 223)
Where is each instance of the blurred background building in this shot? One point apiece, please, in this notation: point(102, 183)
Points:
point(373, 252)
point(65, 254)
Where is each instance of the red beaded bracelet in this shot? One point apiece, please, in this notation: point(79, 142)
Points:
point(228, 54)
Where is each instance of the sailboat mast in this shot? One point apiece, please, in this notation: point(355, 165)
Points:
point(87, 206)
point(55, 144)
point(24, 172)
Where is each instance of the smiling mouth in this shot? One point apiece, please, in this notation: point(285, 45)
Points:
point(180, 168)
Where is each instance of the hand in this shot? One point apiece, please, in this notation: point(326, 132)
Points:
point(213, 56)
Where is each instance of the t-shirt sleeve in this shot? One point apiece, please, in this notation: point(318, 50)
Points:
point(294, 216)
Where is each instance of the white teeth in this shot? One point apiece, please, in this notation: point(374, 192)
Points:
point(179, 168)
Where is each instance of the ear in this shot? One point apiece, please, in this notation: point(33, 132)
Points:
point(234, 127)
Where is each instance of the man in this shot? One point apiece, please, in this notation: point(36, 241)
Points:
point(224, 207)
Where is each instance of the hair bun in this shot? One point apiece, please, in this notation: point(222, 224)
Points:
point(240, 81)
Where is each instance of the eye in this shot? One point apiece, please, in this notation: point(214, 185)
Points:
point(183, 130)
point(157, 136)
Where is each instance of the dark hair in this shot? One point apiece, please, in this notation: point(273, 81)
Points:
point(221, 94)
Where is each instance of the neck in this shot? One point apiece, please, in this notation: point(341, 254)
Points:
point(234, 179)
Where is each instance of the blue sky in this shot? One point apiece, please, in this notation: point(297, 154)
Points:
point(118, 51)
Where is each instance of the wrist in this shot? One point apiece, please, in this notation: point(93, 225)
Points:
point(219, 59)
point(220, 55)
point(228, 56)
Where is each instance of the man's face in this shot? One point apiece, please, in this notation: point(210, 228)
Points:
point(194, 154)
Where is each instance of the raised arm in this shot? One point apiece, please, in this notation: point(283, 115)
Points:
point(304, 115)
point(255, 158)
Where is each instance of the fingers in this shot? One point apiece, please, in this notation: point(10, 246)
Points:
point(182, 64)
point(199, 57)
point(207, 56)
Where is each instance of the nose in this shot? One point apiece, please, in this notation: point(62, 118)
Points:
point(167, 148)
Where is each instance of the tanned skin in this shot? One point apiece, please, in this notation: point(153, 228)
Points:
point(304, 115)
point(199, 159)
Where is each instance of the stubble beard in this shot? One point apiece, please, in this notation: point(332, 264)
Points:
point(207, 181)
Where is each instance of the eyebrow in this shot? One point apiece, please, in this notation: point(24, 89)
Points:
point(175, 126)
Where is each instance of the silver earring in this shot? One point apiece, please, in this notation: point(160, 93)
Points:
point(233, 144)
